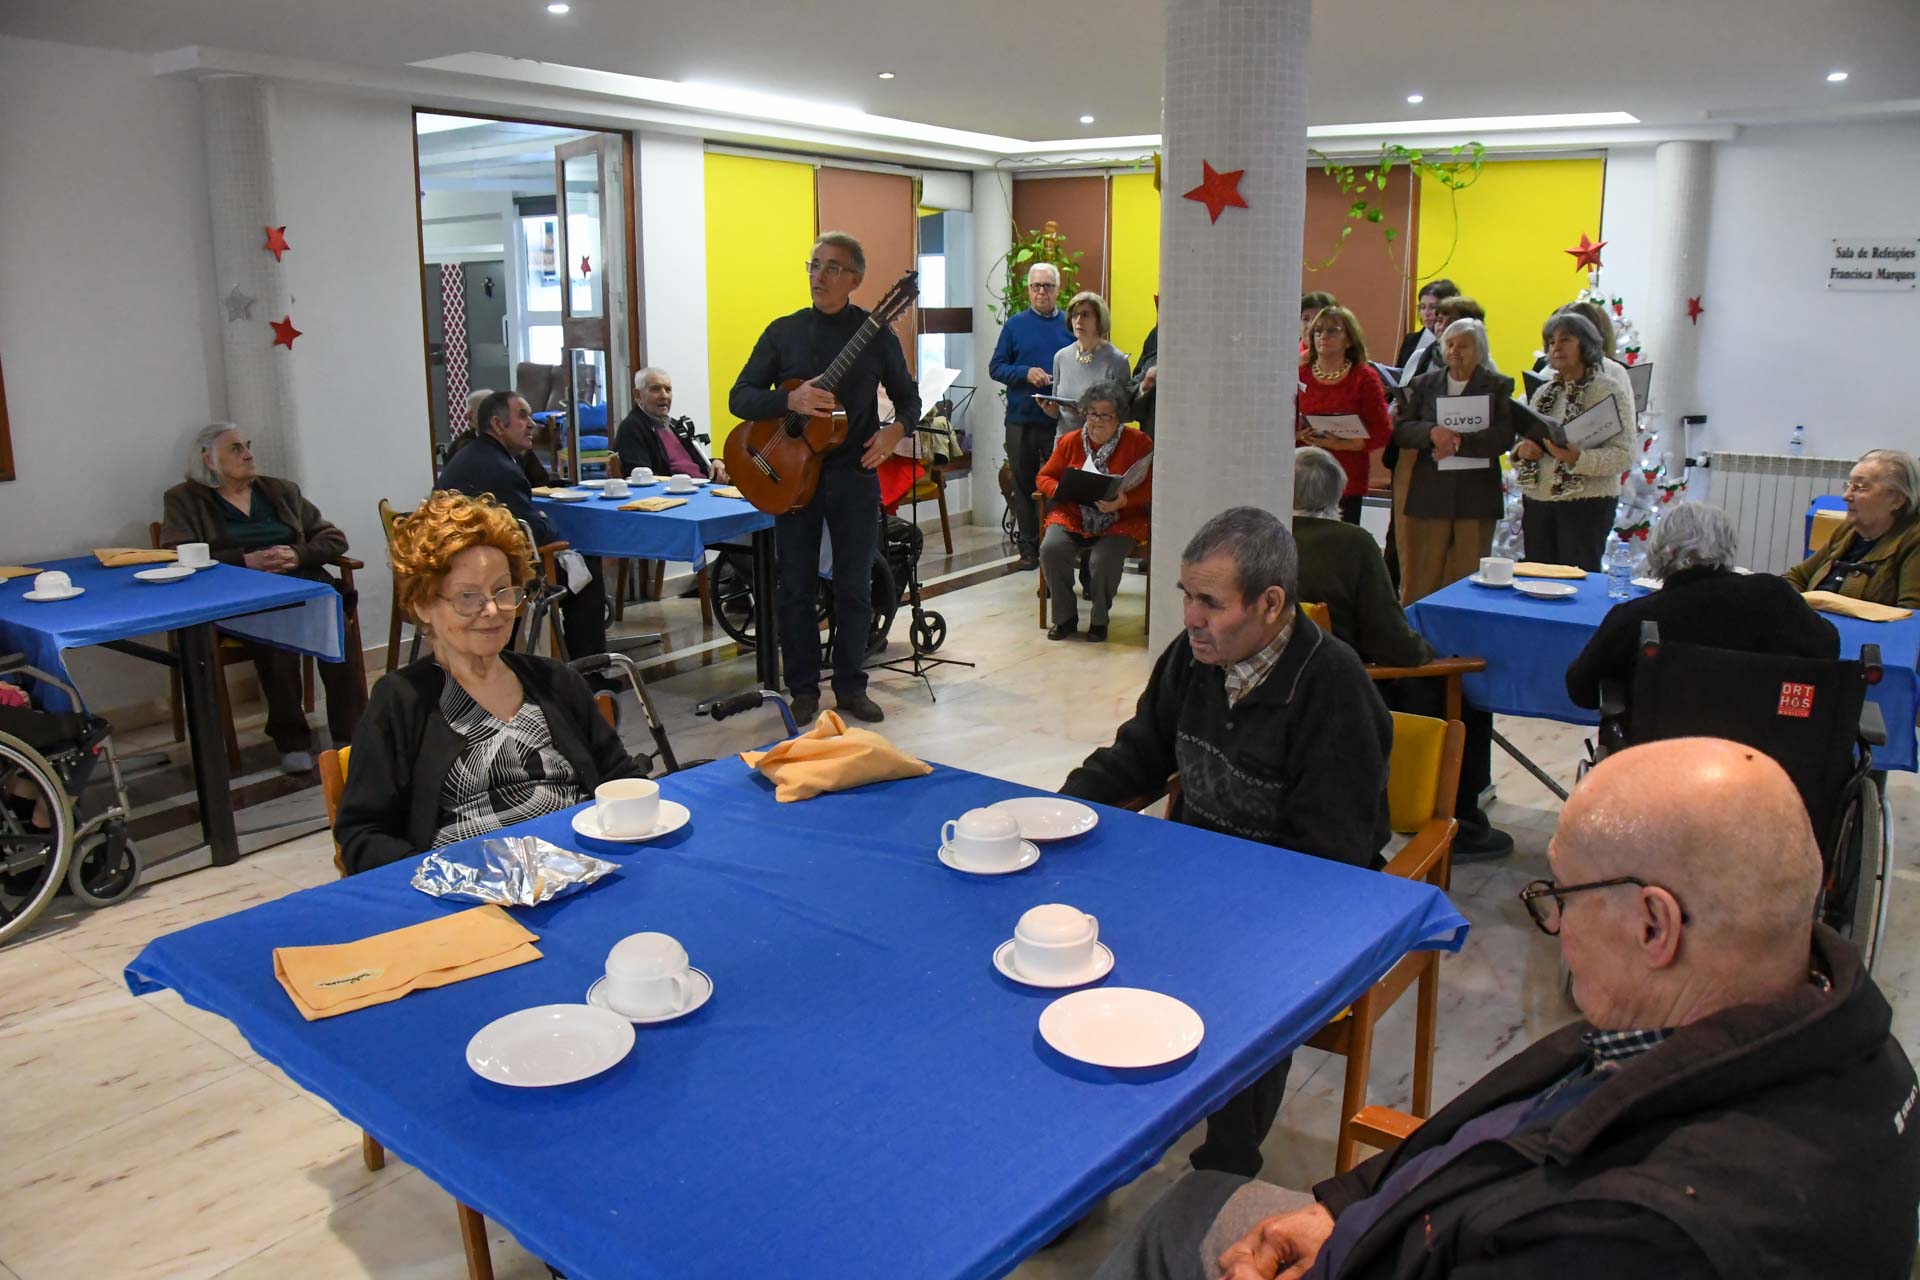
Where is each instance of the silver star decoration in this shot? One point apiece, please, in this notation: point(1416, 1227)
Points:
point(239, 304)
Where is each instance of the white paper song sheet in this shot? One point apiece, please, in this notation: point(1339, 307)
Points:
point(1347, 426)
point(1464, 414)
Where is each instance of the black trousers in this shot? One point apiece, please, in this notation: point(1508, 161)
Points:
point(278, 671)
point(1028, 448)
point(847, 505)
point(583, 615)
point(1236, 1130)
point(1350, 507)
point(1573, 532)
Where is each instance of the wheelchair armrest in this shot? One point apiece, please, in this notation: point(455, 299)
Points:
point(1613, 699)
point(1873, 725)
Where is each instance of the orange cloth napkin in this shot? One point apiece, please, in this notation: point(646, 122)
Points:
point(543, 490)
point(654, 504)
point(10, 571)
point(1534, 569)
point(832, 757)
point(121, 557)
point(324, 981)
point(1865, 610)
point(727, 491)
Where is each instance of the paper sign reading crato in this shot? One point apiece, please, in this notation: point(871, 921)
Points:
point(1463, 413)
point(1347, 426)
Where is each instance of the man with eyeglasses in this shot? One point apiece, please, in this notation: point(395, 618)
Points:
point(846, 504)
point(1732, 1105)
point(1023, 361)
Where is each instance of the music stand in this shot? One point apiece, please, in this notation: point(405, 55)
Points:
point(928, 630)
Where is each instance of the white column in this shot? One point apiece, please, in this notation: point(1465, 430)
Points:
point(234, 123)
point(1236, 98)
point(1677, 265)
point(992, 236)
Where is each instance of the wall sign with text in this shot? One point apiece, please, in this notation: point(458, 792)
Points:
point(1874, 262)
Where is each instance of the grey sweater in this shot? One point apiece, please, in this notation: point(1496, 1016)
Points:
point(1070, 378)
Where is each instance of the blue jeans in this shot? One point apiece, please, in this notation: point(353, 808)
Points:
point(847, 504)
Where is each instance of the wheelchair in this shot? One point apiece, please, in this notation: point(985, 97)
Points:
point(898, 553)
point(1813, 718)
point(49, 841)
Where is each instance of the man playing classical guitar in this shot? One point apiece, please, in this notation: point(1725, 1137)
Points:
point(847, 501)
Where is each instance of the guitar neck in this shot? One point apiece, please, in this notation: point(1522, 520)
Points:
point(857, 344)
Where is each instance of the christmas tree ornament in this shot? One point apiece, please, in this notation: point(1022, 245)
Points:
point(276, 242)
point(283, 332)
point(1218, 191)
point(1586, 254)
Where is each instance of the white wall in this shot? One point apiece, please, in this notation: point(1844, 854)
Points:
point(672, 182)
point(1626, 224)
point(108, 322)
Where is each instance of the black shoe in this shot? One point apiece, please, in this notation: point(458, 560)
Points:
point(1484, 844)
point(1027, 563)
point(1096, 635)
point(805, 707)
point(860, 707)
point(1061, 630)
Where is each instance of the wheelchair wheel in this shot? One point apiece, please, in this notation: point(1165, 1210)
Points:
point(33, 859)
point(105, 868)
point(929, 631)
point(1876, 867)
point(886, 603)
point(732, 591)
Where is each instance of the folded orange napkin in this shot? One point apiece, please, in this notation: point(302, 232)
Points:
point(542, 490)
point(1534, 569)
point(653, 504)
point(831, 757)
point(1865, 610)
point(324, 981)
point(727, 491)
point(11, 571)
point(120, 557)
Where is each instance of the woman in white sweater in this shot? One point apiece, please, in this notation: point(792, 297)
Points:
point(1569, 495)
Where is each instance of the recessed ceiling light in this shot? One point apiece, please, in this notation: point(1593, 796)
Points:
point(1086, 119)
point(1416, 98)
point(1835, 77)
point(886, 75)
point(558, 9)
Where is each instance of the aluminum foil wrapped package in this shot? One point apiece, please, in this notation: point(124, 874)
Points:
point(514, 871)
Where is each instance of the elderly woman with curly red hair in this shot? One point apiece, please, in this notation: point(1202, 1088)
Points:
point(473, 738)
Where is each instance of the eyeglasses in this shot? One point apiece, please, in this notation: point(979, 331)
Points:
point(1047, 285)
point(1545, 900)
point(1096, 415)
point(471, 604)
point(239, 447)
point(828, 269)
point(1323, 332)
point(1860, 486)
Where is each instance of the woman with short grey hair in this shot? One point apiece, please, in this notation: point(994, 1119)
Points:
point(1569, 493)
point(1088, 359)
point(1318, 479)
point(1692, 535)
point(262, 523)
point(1454, 498)
point(1875, 555)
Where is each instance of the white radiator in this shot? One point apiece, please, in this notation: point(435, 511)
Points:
point(1768, 495)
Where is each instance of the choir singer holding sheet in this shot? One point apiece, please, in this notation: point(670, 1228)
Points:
point(1569, 497)
point(1343, 407)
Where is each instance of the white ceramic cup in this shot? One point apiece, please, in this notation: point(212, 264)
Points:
point(627, 806)
point(986, 838)
point(616, 488)
point(1496, 569)
point(1054, 940)
point(195, 555)
point(677, 483)
point(52, 583)
point(640, 475)
point(647, 975)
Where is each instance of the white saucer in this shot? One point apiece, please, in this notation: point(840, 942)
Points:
point(641, 484)
point(1102, 966)
point(44, 596)
point(673, 816)
point(1479, 581)
point(702, 992)
point(166, 573)
point(672, 492)
point(549, 1044)
point(1029, 854)
point(1121, 1027)
point(593, 484)
point(569, 495)
point(1649, 584)
point(1049, 817)
point(1545, 590)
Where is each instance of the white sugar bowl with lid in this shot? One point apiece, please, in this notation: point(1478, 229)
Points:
point(1054, 940)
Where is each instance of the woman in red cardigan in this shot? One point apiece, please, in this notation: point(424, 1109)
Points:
point(1108, 530)
point(1338, 380)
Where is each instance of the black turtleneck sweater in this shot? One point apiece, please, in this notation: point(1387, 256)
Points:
point(801, 346)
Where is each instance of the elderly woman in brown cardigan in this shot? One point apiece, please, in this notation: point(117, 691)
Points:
point(263, 523)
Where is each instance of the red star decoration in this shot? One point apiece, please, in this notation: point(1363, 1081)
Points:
point(586, 267)
point(283, 332)
point(1694, 309)
point(1218, 191)
point(1586, 254)
point(277, 241)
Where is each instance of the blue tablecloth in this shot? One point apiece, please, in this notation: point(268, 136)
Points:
point(293, 613)
point(864, 1095)
point(1529, 643)
point(598, 527)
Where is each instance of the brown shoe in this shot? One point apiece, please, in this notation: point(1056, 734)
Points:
point(860, 707)
point(1027, 563)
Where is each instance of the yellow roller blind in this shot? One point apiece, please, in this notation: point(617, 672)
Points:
point(760, 225)
point(1134, 266)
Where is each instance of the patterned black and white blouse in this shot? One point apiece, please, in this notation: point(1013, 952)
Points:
point(507, 770)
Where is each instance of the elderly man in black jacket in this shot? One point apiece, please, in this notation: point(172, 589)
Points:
point(1733, 1105)
point(1275, 730)
point(490, 465)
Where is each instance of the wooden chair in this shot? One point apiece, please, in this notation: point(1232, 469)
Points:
point(389, 520)
point(934, 485)
point(658, 569)
point(1451, 670)
point(1143, 551)
point(473, 1226)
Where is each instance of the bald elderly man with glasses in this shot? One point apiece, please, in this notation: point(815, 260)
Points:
point(1732, 1105)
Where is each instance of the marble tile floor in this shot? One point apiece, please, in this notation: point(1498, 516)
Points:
point(149, 1140)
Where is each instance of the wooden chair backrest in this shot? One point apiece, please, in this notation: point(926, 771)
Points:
point(333, 780)
point(1321, 615)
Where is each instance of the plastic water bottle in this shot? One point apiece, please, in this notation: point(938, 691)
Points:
point(1619, 562)
point(1797, 445)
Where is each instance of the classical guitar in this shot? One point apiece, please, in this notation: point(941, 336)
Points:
point(775, 463)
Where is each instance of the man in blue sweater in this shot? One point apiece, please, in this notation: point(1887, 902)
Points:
point(1023, 360)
